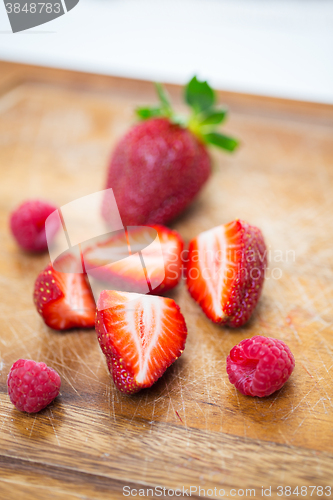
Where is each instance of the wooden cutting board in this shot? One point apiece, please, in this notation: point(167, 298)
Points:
point(192, 428)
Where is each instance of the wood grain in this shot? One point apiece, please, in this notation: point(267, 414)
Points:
point(192, 428)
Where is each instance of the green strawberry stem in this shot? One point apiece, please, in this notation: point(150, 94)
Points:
point(204, 118)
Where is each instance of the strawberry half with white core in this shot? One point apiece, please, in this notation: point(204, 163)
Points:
point(226, 271)
point(140, 335)
point(64, 299)
point(119, 260)
point(161, 164)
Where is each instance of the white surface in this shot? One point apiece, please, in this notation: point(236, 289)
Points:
point(273, 47)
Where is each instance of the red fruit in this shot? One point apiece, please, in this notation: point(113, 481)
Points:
point(159, 166)
point(155, 172)
point(64, 299)
point(32, 386)
point(122, 265)
point(140, 335)
point(27, 224)
point(226, 271)
point(260, 366)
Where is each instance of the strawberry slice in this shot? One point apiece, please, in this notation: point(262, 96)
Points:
point(140, 335)
point(226, 271)
point(135, 260)
point(64, 299)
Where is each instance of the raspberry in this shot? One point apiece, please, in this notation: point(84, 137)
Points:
point(27, 223)
point(260, 365)
point(32, 386)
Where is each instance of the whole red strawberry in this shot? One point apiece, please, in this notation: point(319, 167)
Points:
point(161, 164)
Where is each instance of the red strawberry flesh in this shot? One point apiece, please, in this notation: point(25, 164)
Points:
point(64, 299)
point(140, 335)
point(117, 260)
point(226, 271)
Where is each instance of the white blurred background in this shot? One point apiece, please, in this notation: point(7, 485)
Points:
point(280, 48)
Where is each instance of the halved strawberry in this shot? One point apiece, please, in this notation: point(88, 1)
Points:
point(64, 299)
point(135, 260)
point(226, 271)
point(140, 335)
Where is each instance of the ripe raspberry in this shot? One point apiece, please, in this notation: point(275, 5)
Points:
point(259, 366)
point(27, 223)
point(32, 386)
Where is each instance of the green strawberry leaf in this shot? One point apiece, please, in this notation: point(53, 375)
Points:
point(199, 95)
point(220, 140)
point(163, 96)
point(213, 117)
point(148, 112)
point(204, 117)
point(164, 109)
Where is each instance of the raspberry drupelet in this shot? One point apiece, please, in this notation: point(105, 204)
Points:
point(260, 365)
point(27, 223)
point(32, 386)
